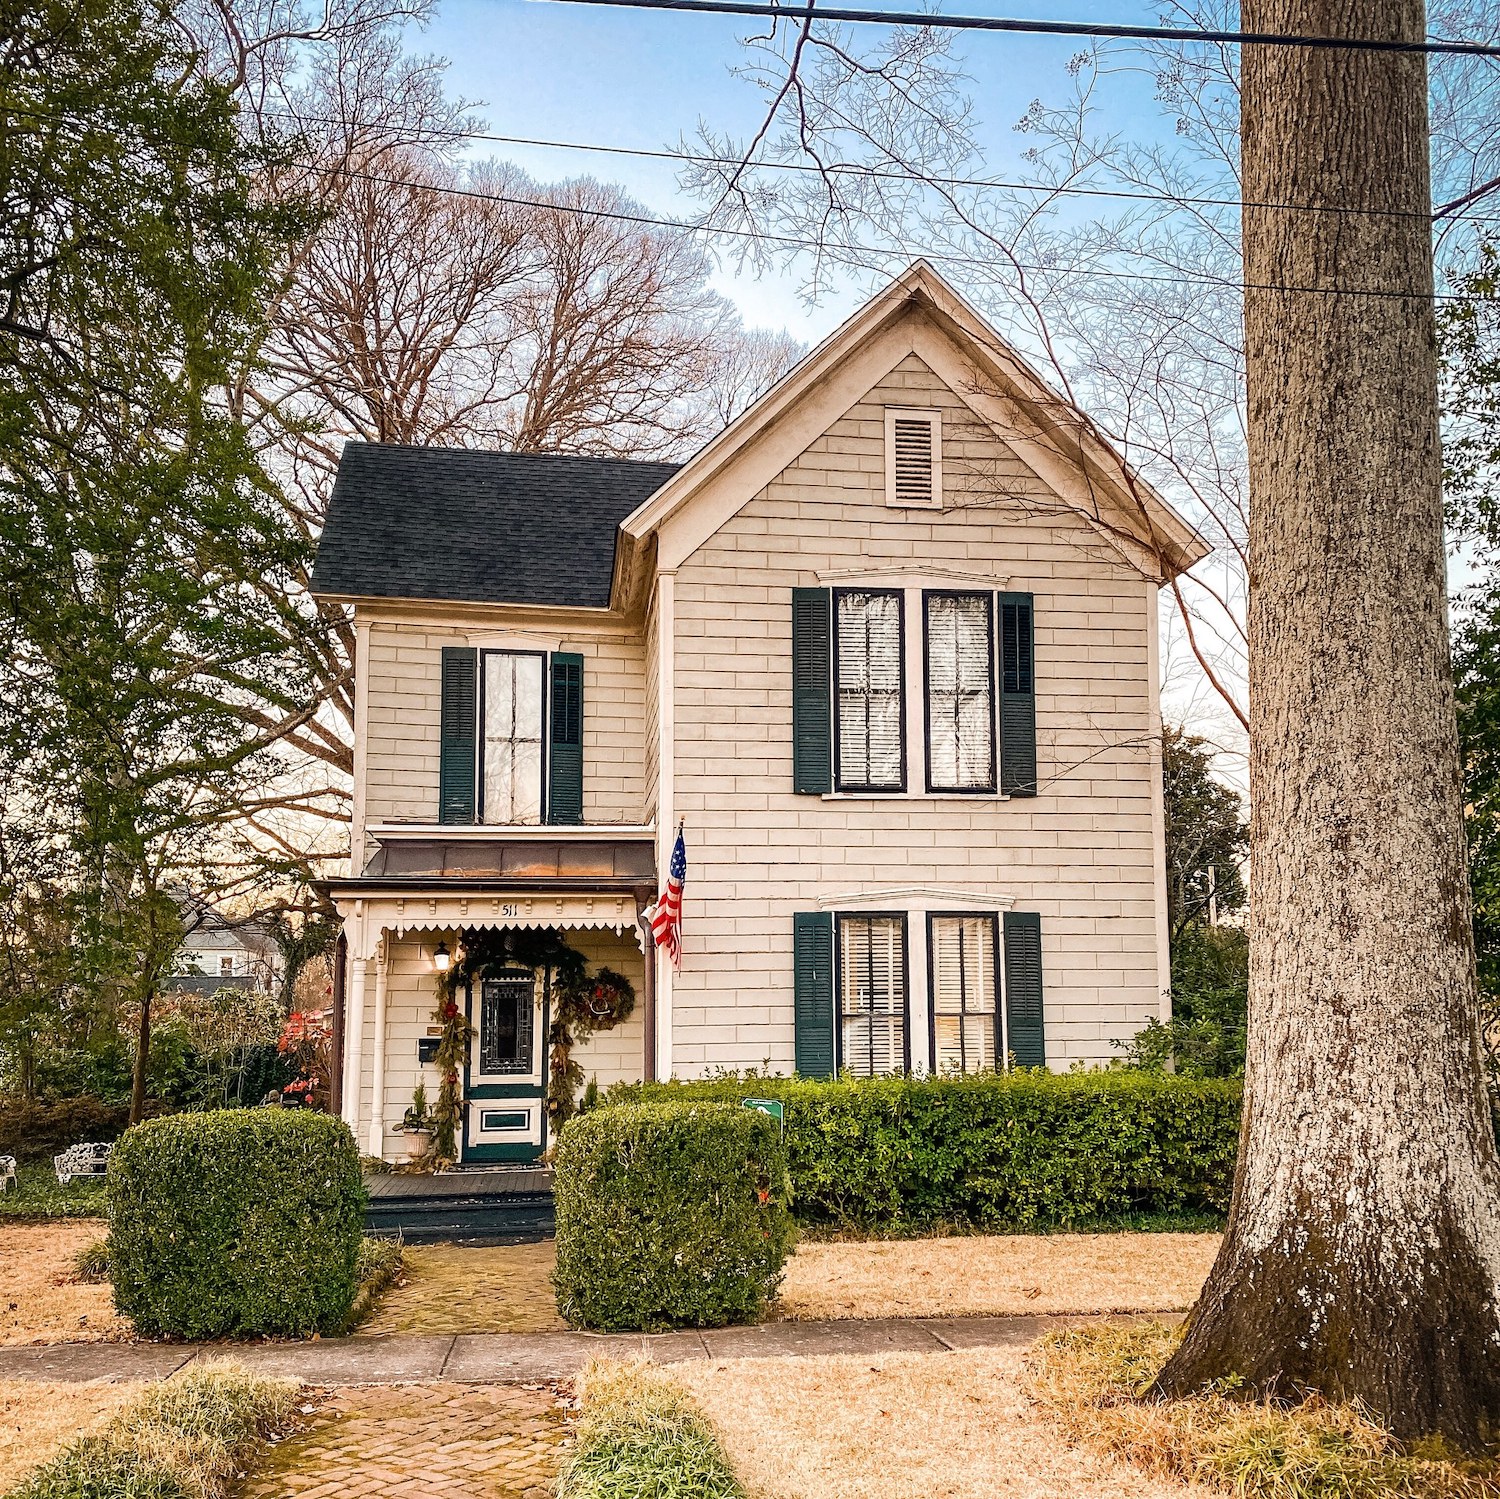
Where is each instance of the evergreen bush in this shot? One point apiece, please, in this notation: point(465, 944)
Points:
point(1023, 1149)
point(238, 1223)
point(669, 1214)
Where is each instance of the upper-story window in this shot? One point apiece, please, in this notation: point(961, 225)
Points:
point(511, 759)
point(971, 691)
point(960, 683)
point(511, 737)
point(869, 691)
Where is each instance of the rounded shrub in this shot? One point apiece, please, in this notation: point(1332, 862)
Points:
point(669, 1215)
point(240, 1223)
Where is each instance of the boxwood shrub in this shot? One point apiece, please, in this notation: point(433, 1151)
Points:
point(239, 1223)
point(1025, 1149)
point(668, 1215)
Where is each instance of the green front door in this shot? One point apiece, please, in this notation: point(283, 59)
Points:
point(505, 1079)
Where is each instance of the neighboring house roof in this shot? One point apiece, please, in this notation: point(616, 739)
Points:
point(464, 525)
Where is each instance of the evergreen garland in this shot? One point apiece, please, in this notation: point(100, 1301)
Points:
point(581, 1006)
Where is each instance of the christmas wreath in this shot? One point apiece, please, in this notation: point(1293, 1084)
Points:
point(582, 1004)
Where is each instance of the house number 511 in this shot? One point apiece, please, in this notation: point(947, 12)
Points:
point(510, 909)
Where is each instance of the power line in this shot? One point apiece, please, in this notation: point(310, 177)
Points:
point(937, 256)
point(1050, 28)
point(860, 169)
point(425, 134)
point(794, 242)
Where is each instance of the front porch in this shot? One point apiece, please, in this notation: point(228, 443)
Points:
point(406, 916)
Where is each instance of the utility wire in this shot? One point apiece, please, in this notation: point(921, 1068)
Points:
point(423, 135)
point(905, 254)
point(1051, 28)
point(430, 133)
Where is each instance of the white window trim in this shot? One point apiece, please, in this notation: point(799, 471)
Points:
point(934, 420)
point(917, 903)
point(914, 696)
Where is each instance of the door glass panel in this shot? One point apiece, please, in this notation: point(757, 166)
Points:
point(512, 737)
point(505, 1023)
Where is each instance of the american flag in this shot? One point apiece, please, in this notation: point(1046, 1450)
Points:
point(666, 920)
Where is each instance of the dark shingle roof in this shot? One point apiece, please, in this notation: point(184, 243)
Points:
point(477, 527)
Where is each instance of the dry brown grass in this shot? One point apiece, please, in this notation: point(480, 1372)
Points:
point(38, 1420)
point(900, 1426)
point(1001, 1275)
point(42, 1300)
point(1089, 1381)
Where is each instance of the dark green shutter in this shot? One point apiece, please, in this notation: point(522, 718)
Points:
point(812, 700)
point(812, 968)
point(565, 776)
point(1017, 695)
point(1025, 1027)
point(460, 734)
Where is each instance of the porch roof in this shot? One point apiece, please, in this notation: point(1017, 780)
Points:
point(603, 864)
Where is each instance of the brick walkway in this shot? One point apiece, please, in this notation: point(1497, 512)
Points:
point(435, 1441)
point(445, 1288)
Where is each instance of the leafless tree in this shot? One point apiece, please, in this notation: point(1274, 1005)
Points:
point(1113, 264)
point(444, 301)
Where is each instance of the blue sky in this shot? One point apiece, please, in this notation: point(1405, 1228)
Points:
point(641, 79)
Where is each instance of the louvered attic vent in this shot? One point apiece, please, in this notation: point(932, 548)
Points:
point(913, 459)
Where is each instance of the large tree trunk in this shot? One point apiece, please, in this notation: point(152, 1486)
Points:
point(1362, 1257)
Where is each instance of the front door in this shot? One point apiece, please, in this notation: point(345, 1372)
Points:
point(506, 1115)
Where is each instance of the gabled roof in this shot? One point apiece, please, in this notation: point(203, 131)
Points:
point(1060, 443)
point(470, 526)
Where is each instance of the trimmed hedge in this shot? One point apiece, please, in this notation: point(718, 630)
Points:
point(1024, 1149)
point(669, 1215)
point(240, 1223)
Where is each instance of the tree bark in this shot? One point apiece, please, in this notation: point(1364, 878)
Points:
point(1362, 1258)
point(142, 1057)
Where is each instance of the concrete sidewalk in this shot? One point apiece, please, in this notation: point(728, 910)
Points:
point(492, 1358)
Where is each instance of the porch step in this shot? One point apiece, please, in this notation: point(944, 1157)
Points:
point(468, 1207)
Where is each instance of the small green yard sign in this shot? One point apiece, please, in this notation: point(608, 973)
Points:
point(771, 1106)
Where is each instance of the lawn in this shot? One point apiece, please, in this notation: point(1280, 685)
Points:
point(997, 1275)
point(44, 1301)
point(38, 1194)
point(900, 1426)
point(38, 1420)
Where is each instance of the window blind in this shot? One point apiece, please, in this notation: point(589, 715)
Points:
point(512, 737)
point(963, 993)
point(960, 692)
point(869, 686)
point(872, 994)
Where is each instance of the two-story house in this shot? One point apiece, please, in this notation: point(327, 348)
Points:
point(885, 648)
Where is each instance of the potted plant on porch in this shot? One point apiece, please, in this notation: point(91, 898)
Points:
point(416, 1125)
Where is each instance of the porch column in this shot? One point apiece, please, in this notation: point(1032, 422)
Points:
point(352, 1077)
point(648, 996)
point(376, 1142)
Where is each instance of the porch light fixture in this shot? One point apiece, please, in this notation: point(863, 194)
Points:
point(441, 957)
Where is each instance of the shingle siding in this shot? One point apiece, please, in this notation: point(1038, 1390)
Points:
point(1081, 852)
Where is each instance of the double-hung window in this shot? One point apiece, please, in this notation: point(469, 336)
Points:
point(873, 1038)
point(512, 714)
point(965, 992)
point(869, 683)
point(960, 648)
